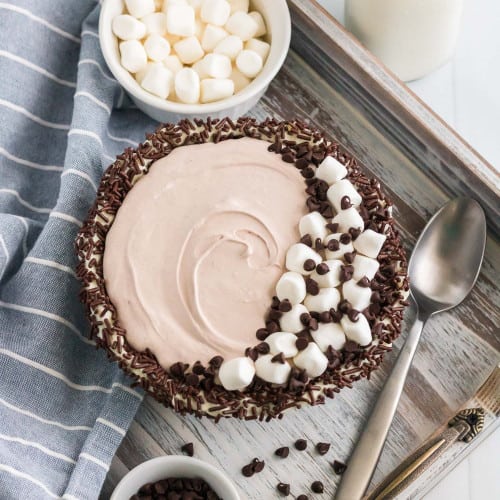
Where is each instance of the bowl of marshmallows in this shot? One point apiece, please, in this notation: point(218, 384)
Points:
point(194, 58)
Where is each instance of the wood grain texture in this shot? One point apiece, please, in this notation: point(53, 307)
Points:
point(330, 81)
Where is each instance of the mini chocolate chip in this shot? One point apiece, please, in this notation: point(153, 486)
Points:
point(375, 297)
point(309, 265)
point(351, 346)
point(259, 466)
point(318, 245)
point(198, 368)
point(353, 315)
point(272, 326)
point(345, 238)
point(301, 444)
point(327, 211)
point(333, 227)
point(263, 348)
point(188, 449)
point(354, 232)
point(333, 245)
point(192, 379)
point(317, 487)
point(275, 303)
point(252, 353)
point(307, 173)
point(302, 163)
point(325, 317)
point(278, 358)
point(344, 306)
point(312, 286)
point(283, 488)
point(247, 470)
point(146, 489)
point(262, 334)
point(285, 305)
point(345, 202)
point(177, 369)
point(305, 318)
point(302, 497)
point(306, 240)
point(349, 257)
point(274, 315)
point(323, 448)
point(322, 268)
point(364, 282)
point(336, 315)
point(346, 273)
point(288, 157)
point(216, 361)
point(282, 452)
point(301, 343)
point(313, 324)
point(339, 467)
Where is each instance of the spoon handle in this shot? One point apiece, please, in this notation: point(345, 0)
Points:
point(367, 451)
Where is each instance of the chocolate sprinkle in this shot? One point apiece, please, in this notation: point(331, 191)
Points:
point(301, 444)
point(317, 487)
point(339, 467)
point(323, 448)
point(282, 452)
point(188, 449)
point(283, 488)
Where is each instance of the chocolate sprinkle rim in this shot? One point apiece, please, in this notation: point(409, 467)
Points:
point(260, 400)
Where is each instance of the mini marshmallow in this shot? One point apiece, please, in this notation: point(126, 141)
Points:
point(329, 334)
point(215, 89)
point(239, 79)
point(242, 25)
point(169, 3)
point(312, 360)
point(217, 66)
point(290, 321)
point(196, 4)
point(133, 55)
point(140, 8)
point(128, 28)
point(199, 28)
point(282, 342)
point(343, 248)
point(155, 23)
point(239, 5)
point(257, 17)
point(326, 299)
point(297, 254)
point(369, 243)
point(249, 63)
point(364, 266)
point(332, 277)
point(212, 36)
point(199, 67)
point(157, 48)
point(158, 80)
point(180, 19)
point(340, 189)
point(262, 48)
point(358, 331)
point(189, 50)
point(349, 218)
point(236, 373)
point(231, 46)
point(276, 373)
point(215, 12)
point(331, 170)
point(291, 286)
point(187, 85)
point(358, 296)
point(142, 72)
point(173, 63)
point(313, 224)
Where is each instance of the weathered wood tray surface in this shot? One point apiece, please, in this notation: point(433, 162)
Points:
point(331, 81)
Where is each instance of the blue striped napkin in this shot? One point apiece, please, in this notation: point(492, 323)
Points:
point(63, 407)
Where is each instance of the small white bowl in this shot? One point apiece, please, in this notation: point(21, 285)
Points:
point(174, 466)
point(277, 18)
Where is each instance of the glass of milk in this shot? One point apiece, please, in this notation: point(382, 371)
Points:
point(411, 37)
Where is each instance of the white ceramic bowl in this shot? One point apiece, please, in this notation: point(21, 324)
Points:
point(277, 18)
point(174, 466)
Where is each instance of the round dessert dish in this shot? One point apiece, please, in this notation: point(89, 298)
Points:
point(242, 268)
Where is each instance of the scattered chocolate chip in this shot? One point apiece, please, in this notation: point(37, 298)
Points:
point(313, 324)
point(312, 286)
point(364, 282)
point(272, 326)
point(252, 353)
point(333, 227)
point(302, 163)
point(275, 302)
point(177, 369)
point(302, 497)
point(305, 318)
point(216, 361)
point(318, 245)
point(282, 452)
point(336, 315)
point(349, 257)
point(285, 306)
point(192, 379)
point(288, 157)
point(263, 348)
point(345, 238)
point(317, 487)
point(345, 202)
point(322, 268)
point(346, 273)
point(301, 343)
point(176, 489)
point(307, 173)
point(353, 315)
point(339, 467)
point(325, 317)
point(344, 306)
point(247, 470)
point(198, 368)
point(274, 315)
point(301, 444)
point(283, 488)
point(262, 334)
point(333, 245)
point(278, 358)
point(354, 232)
point(188, 449)
point(259, 466)
point(327, 211)
point(309, 265)
point(351, 346)
point(323, 448)
point(306, 240)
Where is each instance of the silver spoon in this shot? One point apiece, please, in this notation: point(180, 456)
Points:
point(443, 269)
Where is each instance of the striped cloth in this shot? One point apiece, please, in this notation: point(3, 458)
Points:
point(63, 407)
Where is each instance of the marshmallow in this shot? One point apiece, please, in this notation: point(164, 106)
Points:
point(257, 17)
point(329, 334)
point(196, 4)
point(215, 89)
point(331, 170)
point(343, 248)
point(290, 321)
point(133, 55)
point(173, 63)
point(332, 277)
point(189, 50)
point(262, 48)
point(297, 254)
point(340, 189)
point(369, 243)
point(155, 23)
point(217, 66)
point(358, 296)
point(127, 27)
point(291, 286)
point(282, 342)
point(276, 373)
point(358, 331)
point(169, 3)
point(215, 12)
point(239, 79)
point(199, 28)
point(212, 36)
point(231, 46)
point(237, 5)
point(313, 224)
point(140, 8)
point(157, 48)
point(312, 360)
point(142, 72)
point(348, 218)
point(326, 299)
point(158, 80)
point(236, 373)
point(199, 67)
point(249, 63)
point(242, 25)
point(364, 266)
point(187, 85)
point(180, 19)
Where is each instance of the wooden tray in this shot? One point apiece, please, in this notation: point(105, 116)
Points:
point(331, 81)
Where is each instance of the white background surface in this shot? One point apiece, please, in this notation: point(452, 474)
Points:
point(465, 92)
